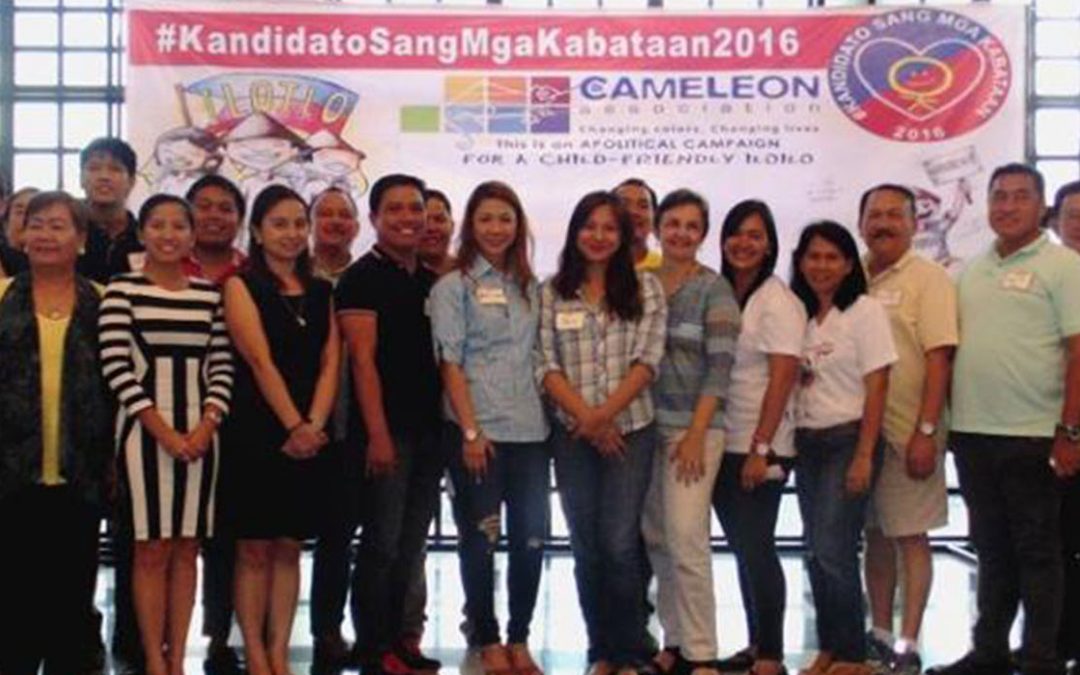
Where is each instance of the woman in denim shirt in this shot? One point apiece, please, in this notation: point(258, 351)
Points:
point(602, 330)
point(485, 315)
point(689, 393)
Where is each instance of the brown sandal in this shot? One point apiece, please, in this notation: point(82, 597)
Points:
point(500, 655)
point(522, 661)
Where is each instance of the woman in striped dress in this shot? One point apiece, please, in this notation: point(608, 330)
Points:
point(166, 355)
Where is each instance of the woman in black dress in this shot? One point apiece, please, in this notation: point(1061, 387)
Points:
point(280, 319)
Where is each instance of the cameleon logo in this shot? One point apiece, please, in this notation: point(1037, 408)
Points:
point(494, 105)
point(920, 75)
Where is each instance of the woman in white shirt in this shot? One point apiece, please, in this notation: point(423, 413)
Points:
point(760, 427)
point(847, 351)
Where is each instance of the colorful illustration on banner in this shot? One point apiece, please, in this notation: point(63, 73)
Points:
point(920, 75)
point(939, 210)
point(262, 129)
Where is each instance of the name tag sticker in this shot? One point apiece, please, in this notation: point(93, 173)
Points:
point(491, 295)
point(890, 297)
point(1017, 280)
point(569, 320)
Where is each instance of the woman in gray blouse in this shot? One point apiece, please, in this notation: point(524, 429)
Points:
point(703, 324)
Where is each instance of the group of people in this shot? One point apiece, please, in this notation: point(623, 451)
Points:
point(242, 402)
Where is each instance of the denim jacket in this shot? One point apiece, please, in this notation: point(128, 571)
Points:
point(482, 323)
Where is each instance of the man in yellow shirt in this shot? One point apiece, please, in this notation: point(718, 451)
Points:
point(640, 202)
point(909, 496)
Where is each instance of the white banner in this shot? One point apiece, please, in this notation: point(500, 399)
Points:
point(803, 110)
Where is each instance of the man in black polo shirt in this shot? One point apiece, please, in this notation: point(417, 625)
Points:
point(107, 175)
point(382, 307)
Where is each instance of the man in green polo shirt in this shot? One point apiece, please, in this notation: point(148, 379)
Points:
point(1067, 226)
point(1016, 423)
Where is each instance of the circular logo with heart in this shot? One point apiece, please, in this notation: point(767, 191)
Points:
point(920, 75)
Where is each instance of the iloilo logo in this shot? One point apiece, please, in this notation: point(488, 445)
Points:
point(920, 75)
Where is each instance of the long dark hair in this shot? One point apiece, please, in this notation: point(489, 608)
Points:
point(853, 285)
point(732, 222)
point(517, 255)
point(270, 197)
point(622, 290)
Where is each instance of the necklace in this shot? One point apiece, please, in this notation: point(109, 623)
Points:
point(297, 312)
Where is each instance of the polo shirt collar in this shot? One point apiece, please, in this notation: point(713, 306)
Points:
point(481, 267)
point(381, 254)
point(1028, 250)
point(896, 267)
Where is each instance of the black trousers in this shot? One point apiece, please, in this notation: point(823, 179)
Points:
point(1069, 643)
point(126, 643)
point(47, 574)
point(1014, 512)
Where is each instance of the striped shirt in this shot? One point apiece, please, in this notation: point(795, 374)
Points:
point(595, 349)
point(703, 325)
point(168, 350)
point(183, 328)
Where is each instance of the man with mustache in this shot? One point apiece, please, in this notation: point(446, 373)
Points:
point(909, 497)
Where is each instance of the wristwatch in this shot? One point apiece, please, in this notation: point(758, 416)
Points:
point(1071, 431)
point(927, 428)
point(471, 435)
point(762, 448)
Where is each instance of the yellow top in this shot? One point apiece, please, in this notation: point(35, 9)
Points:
point(650, 262)
point(51, 334)
point(920, 298)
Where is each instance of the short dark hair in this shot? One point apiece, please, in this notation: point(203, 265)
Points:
point(157, 200)
point(1018, 169)
point(907, 193)
point(732, 222)
point(116, 148)
point(683, 197)
point(393, 180)
point(43, 200)
point(1064, 192)
point(850, 288)
point(432, 193)
point(219, 181)
point(639, 182)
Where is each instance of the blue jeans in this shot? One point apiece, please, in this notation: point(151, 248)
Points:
point(603, 500)
point(518, 476)
point(832, 525)
point(396, 518)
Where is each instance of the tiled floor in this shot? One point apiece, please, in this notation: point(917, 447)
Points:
point(558, 631)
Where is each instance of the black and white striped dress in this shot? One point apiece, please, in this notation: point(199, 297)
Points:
point(170, 350)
